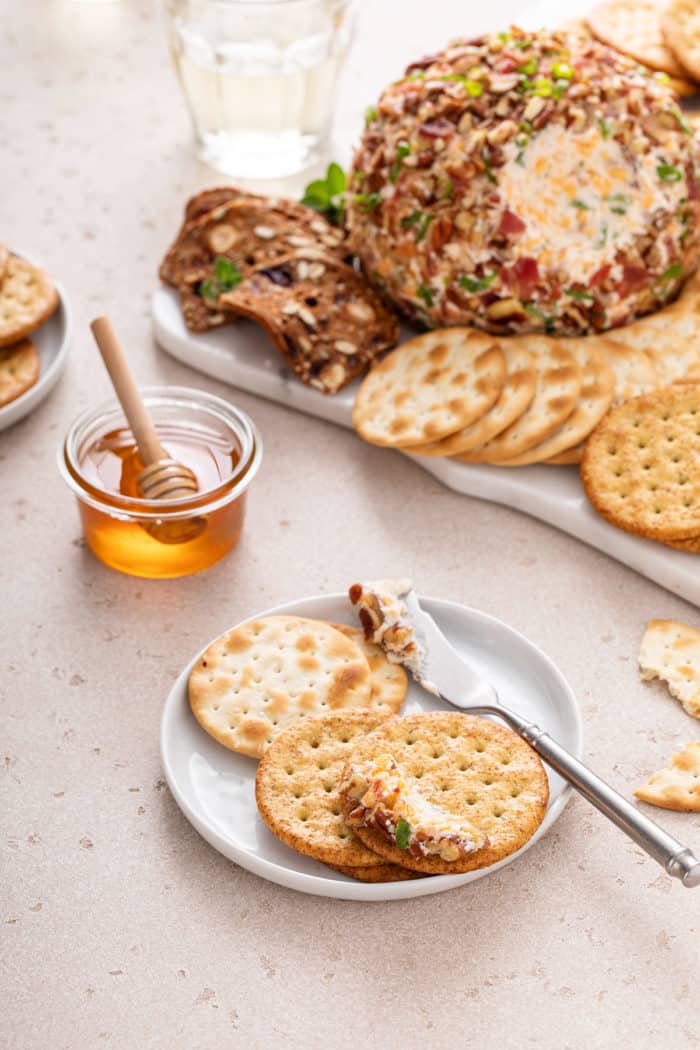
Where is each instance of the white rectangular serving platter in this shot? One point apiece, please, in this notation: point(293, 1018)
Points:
point(243, 356)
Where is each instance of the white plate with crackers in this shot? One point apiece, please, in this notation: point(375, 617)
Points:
point(215, 787)
point(35, 361)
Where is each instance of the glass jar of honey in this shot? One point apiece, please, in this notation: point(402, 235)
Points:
point(100, 462)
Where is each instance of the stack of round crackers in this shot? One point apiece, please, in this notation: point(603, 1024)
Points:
point(28, 297)
point(665, 39)
point(310, 698)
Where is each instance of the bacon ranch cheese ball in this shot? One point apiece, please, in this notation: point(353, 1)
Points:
point(526, 183)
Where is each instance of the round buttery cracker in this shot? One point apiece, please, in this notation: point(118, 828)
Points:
point(267, 674)
point(475, 770)
point(428, 387)
point(595, 398)
point(296, 786)
point(680, 24)
point(556, 396)
point(4, 259)
point(19, 370)
point(640, 465)
point(377, 873)
point(388, 681)
point(517, 393)
point(634, 28)
point(27, 298)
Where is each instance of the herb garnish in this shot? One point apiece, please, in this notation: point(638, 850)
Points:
point(411, 220)
point(424, 228)
point(402, 150)
point(403, 833)
point(548, 321)
point(669, 173)
point(368, 201)
point(675, 270)
point(226, 276)
point(529, 68)
point(477, 285)
point(327, 196)
point(581, 205)
point(472, 87)
point(371, 114)
point(575, 293)
point(605, 128)
point(426, 294)
point(487, 167)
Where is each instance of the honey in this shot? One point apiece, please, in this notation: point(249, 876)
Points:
point(160, 539)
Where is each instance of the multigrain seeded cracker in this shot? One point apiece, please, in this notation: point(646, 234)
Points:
point(680, 22)
point(323, 316)
point(518, 391)
point(671, 651)
point(430, 386)
point(388, 681)
point(296, 787)
point(28, 297)
point(640, 465)
point(634, 28)
point(267, 674)
point(678, 786)
point(558, 387)
point(478, 772)
point(595, 398)
point(19, 370)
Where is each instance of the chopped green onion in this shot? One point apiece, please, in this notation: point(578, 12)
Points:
point(371, 114)
point(669, 173)
point(402, 150)
point(487, 166)
point(411, 220)
point(472, 87)
point(424, 228)
point(478, 285)
point(682, 122)
point(426, 294)
point(446, 186)
point(547, 321)
point(368, 201)
point(574, 293)
point(529, 68)
point(603, 239)
point(581, 205)
point(522, 45)
point(605, 128)
point(674, 271)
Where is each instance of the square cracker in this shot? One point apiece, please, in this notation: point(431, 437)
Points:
point(671, 651)
point(678, 786)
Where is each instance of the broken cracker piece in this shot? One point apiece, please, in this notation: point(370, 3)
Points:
point(678, 786)
point(671, 651)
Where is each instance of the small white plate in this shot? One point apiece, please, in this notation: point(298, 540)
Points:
point(52, 341)
point(215, 788)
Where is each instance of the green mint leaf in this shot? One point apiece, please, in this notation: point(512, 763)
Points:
point(403, 833)
point(335, 180)
point(227, 273)
point(669, 173)
point(209, 289)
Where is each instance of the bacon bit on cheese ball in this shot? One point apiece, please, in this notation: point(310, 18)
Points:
point(526, 182)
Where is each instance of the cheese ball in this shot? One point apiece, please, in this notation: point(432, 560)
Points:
point(526, 182)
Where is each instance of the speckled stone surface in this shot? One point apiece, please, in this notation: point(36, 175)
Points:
point(121, 927)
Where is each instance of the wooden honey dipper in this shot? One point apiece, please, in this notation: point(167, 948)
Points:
point(162, 478)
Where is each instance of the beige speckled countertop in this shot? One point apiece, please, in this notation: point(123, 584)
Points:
point(120, 925)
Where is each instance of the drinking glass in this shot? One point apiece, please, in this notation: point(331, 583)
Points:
point(259, 78)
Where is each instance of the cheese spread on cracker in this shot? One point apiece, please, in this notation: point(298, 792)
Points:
point(386, 621)
point(385, 801)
